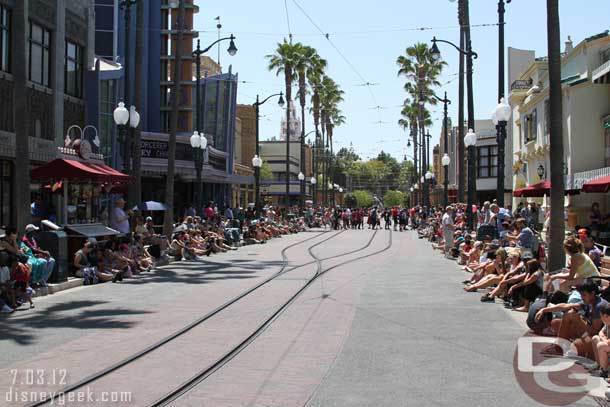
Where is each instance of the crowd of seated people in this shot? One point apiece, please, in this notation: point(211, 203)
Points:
point(24, 267)
point(570, 305)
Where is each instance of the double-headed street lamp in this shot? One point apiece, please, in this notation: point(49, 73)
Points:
point(199, 144)
point(470, 140)
point(500, 117)
point(257, 162)
point(122, 117)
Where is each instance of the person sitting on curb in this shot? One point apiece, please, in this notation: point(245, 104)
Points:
point(531, 286)
point(515, 275)
point(581, 267)
point(40, 257)
point(574, 327)
point(495, 276)
point(20, 274)
point(84, 267)
point(601, 342)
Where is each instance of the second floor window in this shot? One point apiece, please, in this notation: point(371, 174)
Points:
point(40, 58)
point(5, 40)
point(74, 70)
point(487, 162)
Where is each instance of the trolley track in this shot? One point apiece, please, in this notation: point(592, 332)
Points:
point(160, 343)
point(206, 372)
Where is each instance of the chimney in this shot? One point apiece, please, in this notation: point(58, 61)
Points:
point(569, 45)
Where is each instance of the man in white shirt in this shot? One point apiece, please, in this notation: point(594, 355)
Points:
point(120, 219)
point(447, 227)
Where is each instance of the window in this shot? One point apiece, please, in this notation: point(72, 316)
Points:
point(487, 162)
point(530, 126)
point(39, 42)
point(74, 70)
point(5, 39)
point(108, 103)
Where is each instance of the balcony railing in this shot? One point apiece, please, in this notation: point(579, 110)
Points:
point(521, 84)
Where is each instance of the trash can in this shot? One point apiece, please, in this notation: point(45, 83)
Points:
point(56, 243)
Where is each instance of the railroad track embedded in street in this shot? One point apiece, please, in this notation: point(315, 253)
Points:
point(206, 372)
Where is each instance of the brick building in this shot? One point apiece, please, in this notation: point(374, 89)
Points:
point(47, 46)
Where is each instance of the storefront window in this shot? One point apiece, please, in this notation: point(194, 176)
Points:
point(5, 39)
point(39, 43)
point(74, 70)
point(487, 162)
point(108, 103)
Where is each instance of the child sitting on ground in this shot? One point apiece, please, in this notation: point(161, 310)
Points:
point(20, 274)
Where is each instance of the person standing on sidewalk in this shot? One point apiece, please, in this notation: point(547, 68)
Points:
point(448, 228)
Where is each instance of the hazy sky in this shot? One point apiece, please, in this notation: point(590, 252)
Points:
point(370, 35)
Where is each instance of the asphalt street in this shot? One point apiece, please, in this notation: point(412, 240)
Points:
point(386, 325)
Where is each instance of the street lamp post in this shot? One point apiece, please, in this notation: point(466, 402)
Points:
point(445, 161)
point(470, 55)
point(470, 140)
point(501, 125)
point(127, 138)
point(301, 178)
point(500, 117)
point(199, 144)
point(127, 121)
point(196, 55)
point(257, 163)
point(257, 169)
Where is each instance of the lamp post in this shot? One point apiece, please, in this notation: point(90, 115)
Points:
point(470, 140)
point(445, 160)
point(301, 178)
point(257, 163)
point(199, 144)
point(122, 117)
point(500, 117)
point(196, 55)
point(257, 169)
point(302, 167)
point(127, 138)
point(470, 55)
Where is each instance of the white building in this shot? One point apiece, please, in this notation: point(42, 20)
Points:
point(586, 110)
point(295, 125)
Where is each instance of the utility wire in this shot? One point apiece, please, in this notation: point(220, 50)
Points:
point(288, 20)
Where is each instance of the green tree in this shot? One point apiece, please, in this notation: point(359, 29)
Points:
point(394, 198)
point(363, 198)
point(265, 172)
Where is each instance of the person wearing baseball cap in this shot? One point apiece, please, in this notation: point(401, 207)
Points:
point(42, 262)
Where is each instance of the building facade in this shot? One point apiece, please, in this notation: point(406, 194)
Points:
point(586, 107)
point(44, 93)
point(274, 154)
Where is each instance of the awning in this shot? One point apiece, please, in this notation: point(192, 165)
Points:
point(91, 230)
point(539, 190)
point(72, 170)
point(599, 185)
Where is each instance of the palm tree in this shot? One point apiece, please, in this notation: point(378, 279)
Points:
point(287, 56)
point(315, 81)
point(330, 97)
point(310, 69)
point(410, 114)
point(136, 192)
point(422, 72)
point(557, 231)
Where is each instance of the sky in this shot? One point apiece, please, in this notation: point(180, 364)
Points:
point(364, 40)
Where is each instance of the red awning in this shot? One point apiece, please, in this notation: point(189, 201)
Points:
point(539, 190)
point(599, 185)
point(72, 170)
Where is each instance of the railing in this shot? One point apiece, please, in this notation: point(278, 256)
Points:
point(521, 84)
